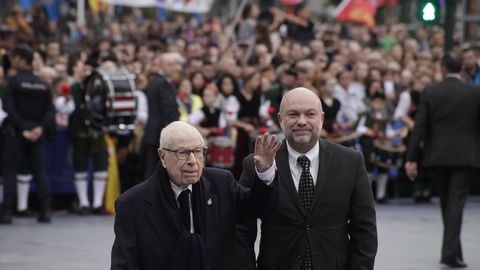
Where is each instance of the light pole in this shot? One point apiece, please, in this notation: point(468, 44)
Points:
point(451, 9)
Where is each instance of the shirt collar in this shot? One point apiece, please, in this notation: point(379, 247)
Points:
point(177, 190)
point(453, 75)
point(312, 154)
point(165, 76)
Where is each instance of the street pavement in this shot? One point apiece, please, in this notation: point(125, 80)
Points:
point(409, 239)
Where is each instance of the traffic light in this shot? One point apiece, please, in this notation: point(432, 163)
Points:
point(429, 11)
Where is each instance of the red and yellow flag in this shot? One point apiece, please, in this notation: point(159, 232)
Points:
point(360, 11)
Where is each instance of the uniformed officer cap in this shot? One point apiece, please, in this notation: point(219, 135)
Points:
point(24, 52)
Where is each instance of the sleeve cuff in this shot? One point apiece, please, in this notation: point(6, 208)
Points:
point(268, 176)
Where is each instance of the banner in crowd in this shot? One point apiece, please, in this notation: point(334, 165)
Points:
point(113, 182)
point(379, 3)
point(360, 11)
point(98, 5)
point(188, 6)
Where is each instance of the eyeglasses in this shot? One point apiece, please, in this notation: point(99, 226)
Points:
point(182, 154)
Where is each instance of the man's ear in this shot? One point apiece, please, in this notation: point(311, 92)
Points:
point(161, 155)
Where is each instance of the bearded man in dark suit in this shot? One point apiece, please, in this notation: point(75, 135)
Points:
point(448, 124)
point(326, 215)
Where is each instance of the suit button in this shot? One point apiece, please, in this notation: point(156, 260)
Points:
point(309, 227)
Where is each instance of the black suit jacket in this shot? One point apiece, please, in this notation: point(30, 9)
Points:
point(341, 229)
point(448, 121)
point(148, 224)
point(162, 108)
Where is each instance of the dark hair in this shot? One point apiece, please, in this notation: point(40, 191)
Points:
point(341, 72)
point(246, 11)
point(236, 86)
point(299, 7)
point(292, 71)
point(72, 62)
point(452, 63)
point(42, 55)
point(24, 52)
point(378, 95)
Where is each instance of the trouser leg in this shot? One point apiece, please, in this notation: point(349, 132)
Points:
point(35, 157)
point(12, 154)
point(459, 186)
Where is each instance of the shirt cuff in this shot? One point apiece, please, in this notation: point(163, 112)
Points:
point(268, 176)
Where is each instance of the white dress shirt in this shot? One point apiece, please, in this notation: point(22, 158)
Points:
point(295, 167)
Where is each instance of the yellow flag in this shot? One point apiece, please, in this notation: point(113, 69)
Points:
point(113, 181)
point(96, 5)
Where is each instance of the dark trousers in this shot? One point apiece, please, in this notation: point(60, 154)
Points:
point(151, 159)
point(454, 185)
point(15, 150)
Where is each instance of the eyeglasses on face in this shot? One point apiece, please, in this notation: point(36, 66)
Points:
point(182, 153)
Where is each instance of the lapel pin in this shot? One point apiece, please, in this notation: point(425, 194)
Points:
point(209, 201)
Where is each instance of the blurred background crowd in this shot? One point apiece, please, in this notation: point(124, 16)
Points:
point(224, 74)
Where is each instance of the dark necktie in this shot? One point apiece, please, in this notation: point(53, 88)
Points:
point(305, 187)
point(305, 192)
point(184, 202)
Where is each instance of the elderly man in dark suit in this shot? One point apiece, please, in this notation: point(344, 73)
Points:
point(326, 215)
point(447, 121)
point(184, 215)
point(162, 105)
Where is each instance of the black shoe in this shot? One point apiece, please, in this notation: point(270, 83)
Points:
point(454, 263)
point(99, 211)
point(84, 210)
point(427, 199)
point(6, 218)
point(24, 213)
point(44, 216)
point(382, 200)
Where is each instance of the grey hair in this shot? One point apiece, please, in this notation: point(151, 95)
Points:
point(175, 130)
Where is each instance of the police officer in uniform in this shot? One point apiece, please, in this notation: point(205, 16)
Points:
point(28, 103)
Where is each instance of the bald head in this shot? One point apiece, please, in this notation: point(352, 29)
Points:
point(300, 94)
point(178, 131)
point(301, 119)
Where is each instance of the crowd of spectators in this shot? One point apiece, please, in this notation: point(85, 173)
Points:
point(230, 77)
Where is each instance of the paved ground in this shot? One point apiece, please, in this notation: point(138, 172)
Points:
point(409, 239)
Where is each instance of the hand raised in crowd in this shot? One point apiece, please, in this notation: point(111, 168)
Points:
point(266, 148)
